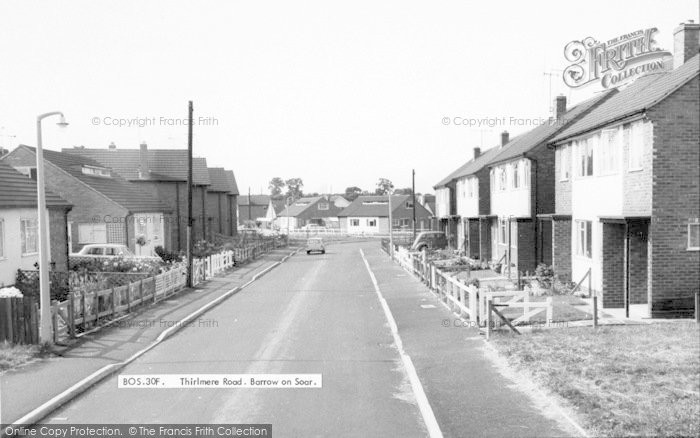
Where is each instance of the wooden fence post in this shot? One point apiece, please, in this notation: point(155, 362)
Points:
point(83, 308)
point(595, 311)
point(114, 301)
point(54, 320)
point(489, 307)
point(71, 314)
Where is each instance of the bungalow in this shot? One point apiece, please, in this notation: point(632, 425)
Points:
point(317, 210)
point(19, 236)
point(521, 180)
point(370, 214)
point(163, 174)
point(628, 190)
point(106, 207)
point(220, 194)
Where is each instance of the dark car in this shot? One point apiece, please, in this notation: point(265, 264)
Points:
point(429, 240)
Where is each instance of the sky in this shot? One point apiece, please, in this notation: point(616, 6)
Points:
point(336, 93)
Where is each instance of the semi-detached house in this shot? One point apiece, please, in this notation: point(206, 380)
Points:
point(627, 209)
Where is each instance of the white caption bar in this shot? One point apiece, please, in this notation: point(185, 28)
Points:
point(166, 381)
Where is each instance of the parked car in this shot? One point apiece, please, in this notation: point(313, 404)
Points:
point(315, 244)
point(106, 250)
point(429, 240)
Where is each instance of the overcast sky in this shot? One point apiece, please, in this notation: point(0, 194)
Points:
point(336, 93)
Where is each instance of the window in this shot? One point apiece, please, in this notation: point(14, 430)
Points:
point(503, 231)
point(693, 236)
point(565, 162)
point(409, 204)
point(96, 171)
point(583, 232)
point(516, 175)
point(526, 174)
point(584, 157)
point(323, 206)
point(354, 222)
point(371, 222)
point(501, 178)
point(396, 222)
point(405, 222)
point(609, 152)
point(634, 143)
point(492, 175)
point(2, 239)
point(92, 233)
point(29, 236)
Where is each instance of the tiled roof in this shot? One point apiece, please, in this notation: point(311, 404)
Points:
point(644, 93)
point(470, 167)
point(116, 188)
point(219, 180)
point(19, 191)
point(299, 206)
point(369, 206)
point(232, 182)
point(164, 164)
point(535, 137)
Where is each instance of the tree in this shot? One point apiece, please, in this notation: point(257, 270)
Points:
point(294, 188)
point(351, 193)
point(404, 191)
point(384, 186)
point(276, 186)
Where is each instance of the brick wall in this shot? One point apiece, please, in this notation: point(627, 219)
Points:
point(613, 265)
point(561, 248)
point(673, 269)
point(485, 239)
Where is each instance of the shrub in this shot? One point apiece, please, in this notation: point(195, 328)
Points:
point(544, 275)
point(168, 256)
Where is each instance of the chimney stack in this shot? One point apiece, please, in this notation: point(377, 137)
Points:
point(559, 106)
point(143, 161)
point(686, 42)
point(504, 138)
point(477, 152)
point(112, 145)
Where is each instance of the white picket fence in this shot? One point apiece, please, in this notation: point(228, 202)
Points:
point(469, 301)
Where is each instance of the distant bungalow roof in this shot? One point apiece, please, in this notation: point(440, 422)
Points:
point(19, 191)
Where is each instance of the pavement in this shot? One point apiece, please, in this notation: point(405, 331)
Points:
point(392, 360)
point(19, 391)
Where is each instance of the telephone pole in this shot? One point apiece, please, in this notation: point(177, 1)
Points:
point(190, 220)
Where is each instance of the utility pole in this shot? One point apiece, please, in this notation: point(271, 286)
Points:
point(413, 191)
point(190, 219)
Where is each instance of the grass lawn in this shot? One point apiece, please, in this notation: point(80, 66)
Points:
point(632, 380)
point(13, 356)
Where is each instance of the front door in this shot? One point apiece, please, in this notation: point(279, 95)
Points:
point(149, 233)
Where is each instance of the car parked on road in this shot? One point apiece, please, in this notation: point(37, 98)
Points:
point(429, 240)
point(315, 244)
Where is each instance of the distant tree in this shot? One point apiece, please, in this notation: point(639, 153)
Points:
point(294, 188)
point(384, 186)
point(351, 193)
point(404, 191)
point(276, 186)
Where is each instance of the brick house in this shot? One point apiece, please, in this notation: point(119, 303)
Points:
point(521, 181)
point(19, 239)
point(220, 195)
point(628, 190)
point(370, 214)
point(462, 204)
point(106, 207)
point(163, 174)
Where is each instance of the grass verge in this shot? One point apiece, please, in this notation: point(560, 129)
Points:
point(13, 356)
point(633, 380)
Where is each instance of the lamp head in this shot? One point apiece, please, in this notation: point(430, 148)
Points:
point(62, 123)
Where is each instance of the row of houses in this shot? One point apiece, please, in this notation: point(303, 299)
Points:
point(134, 197)
point(364, 215)
point(609, 189)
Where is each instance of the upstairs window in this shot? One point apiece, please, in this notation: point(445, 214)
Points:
point(516, 175)
point(584, 157)
point(409, 204)
point(609, 149)
point(96, 171)
point(323, 206)
point(502, 178)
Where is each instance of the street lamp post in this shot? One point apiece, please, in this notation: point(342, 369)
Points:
point(45, 327)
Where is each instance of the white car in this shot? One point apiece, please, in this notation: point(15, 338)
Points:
point(106, 250)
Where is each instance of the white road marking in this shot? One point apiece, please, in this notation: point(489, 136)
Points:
point(423, 404)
